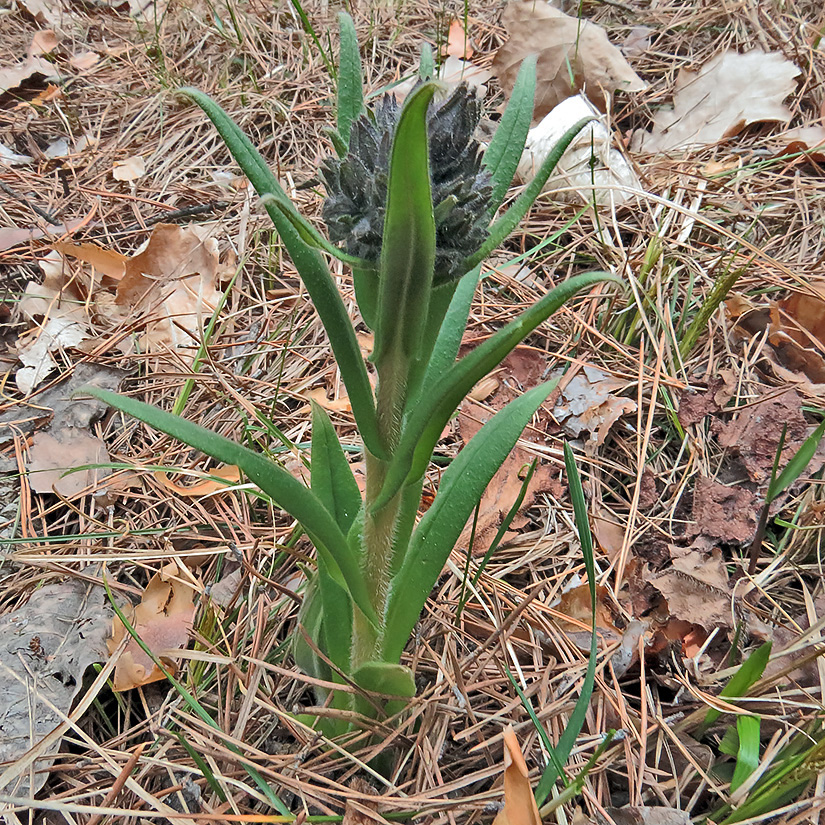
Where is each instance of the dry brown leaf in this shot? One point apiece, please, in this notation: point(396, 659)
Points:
point(319, 396)
point(84, 60)
point(573, 55)
point(229, 473)
point(609, 533)
point(12, 77)
point(48, 12)
point(519, 803)
point(644, 815)
point(458, 43)
point(11, 236)
point(162, 620)
point(574, 603)
point(696, 589)
point(725, 513)
point(106, 261)
point(53, 453)
point(129, 169)
point(728, 93)
point(589, 403)
point(43, 42)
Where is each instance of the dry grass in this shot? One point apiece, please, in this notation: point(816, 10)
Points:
point(761, 212)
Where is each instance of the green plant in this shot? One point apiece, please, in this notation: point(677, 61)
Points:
point(413, 203)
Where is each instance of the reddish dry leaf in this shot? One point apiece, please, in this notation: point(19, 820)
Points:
point(319, 396)
point(458, 43)
point(106, 261)
point(725, 513)
point(728, 93)
point(519, 803)
point(573, 55)
point(575, 604)
point(162, 620)
point(43, 42)
point(229, 473)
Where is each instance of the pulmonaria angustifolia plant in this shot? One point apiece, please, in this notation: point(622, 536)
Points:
point(413, 210)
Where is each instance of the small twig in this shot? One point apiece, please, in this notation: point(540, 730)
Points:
point(43, 213)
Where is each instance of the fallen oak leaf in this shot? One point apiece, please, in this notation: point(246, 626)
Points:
point(214, 480)
point(106, 261)
point(162, 621)
point(458, 43)
point(573, 55)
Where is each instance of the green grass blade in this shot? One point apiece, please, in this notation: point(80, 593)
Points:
point(311, 267)
point(750, 671)
point(576, 721)
point(408, 246)
point(426, 63)
point(503, 154)
point(747, 757)
point(460, 490)
point(284, 489)
point(511, 218)
point(433, 410)
point(331, 477)
point(797, 465)
point(350, 83)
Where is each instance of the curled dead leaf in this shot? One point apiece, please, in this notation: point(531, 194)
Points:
point(519, 802)
point(230, 474)
point(162, 620)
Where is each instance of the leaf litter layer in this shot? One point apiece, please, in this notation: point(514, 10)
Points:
point(675, 498)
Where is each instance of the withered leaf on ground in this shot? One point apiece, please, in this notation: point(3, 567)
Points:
point(162, 619)
point(573, 55)
point(718, 100)
point(590, 403)
point(519, 802)
point(643, 815)
point(12, 77)
point(66, 448)
point(45, 647)
point(724, 512)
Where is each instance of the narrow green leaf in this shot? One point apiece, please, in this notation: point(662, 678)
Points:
point(311, 267)
point(797, 465)
point(331, 476)
point(747, 757)
point(350, 84)
point(452, 329)
point(366, 294)
point(568, 737)
point(311, 619)
point(434, 408)
point(426, 64)
point(284, 489)
point(511, 218)
point(336, 629)
point(504, 152)
point(749, 672)
point(408, 246)
point(460, 490)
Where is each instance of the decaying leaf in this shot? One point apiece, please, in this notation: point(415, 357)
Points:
point(319, 396)
point(694, 405)
point(519, 803)
point(728, 93)
point(458, 42)
point(36, 355)
point(589, 403)
point(229, 473)
point(574, 604)
point(45, 648)
point(644, 815)
point(66, 448)
point(47, 12)
point(696, 589)
point(162, 620)
point(573, 55)
point(129, 169)
point(724, 512)
point(170, 284)
point(807, 139)
point(12, 77)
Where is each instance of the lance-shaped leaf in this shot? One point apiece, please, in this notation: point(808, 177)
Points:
point(331, 477)
point(408, 245)
point(311, 267)
point(503, 154)
point(459, 492)
point(434, 408)
point(510, 219)
point(350, 85)
point(284, 489)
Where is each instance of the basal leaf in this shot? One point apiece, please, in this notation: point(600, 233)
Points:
point(460, 490)
point(284, 489)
